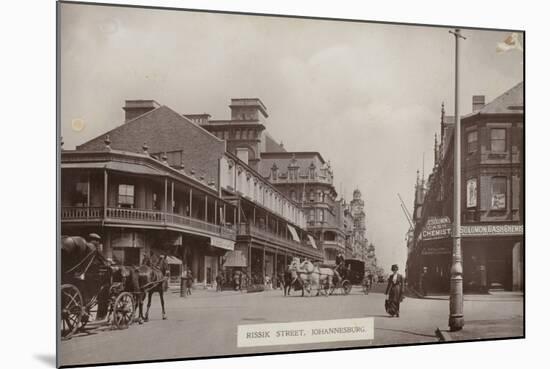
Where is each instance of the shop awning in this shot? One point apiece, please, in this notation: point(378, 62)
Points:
point(173, 260)
point(293, 232)
point(312, 241)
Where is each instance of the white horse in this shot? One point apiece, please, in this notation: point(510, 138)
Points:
point(312, 276)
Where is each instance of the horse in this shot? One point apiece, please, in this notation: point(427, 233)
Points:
point(302, 276)
point(150, 277)
point(319, 276)
point(290, 279)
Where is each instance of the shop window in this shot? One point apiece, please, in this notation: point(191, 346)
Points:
point(498, 193)
point(126, 196)
point(472, 142)
point(498, 139)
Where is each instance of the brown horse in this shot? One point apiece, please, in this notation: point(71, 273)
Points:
point(152, 279)
point(290, 280)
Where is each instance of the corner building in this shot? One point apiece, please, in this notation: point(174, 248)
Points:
point(492, 200)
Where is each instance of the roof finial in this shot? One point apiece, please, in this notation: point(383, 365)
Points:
point(442, 110)
point(107, 142)
point(145, 148)
point(164, 158)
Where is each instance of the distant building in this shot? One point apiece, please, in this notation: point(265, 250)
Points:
point(492, 200)
point(307, 179)
point(357, 206)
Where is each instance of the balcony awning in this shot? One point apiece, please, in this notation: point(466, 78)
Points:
point(312, 240)
point(293, 233)
point(113, 165)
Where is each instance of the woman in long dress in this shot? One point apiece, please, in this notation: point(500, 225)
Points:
point(394, 292)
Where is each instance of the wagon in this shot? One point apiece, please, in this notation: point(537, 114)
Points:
point(88, 291)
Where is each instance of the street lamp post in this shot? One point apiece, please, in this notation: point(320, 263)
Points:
point(456, 298)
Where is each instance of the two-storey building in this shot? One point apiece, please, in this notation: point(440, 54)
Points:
point(160, 168)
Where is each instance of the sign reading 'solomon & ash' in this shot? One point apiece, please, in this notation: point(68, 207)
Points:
point(441, 227)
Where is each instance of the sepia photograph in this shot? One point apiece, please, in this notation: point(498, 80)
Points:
point(235, 184)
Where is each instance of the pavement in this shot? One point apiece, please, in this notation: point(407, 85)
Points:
point(205, 323)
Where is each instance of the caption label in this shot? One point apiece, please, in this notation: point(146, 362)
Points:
point(316, 331)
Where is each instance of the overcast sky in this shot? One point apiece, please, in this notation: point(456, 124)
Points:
point(366, 96)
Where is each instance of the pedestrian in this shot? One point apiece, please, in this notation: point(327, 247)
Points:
point(219, 281)
point(424, 282)
point(189, 284)
point(394, 292)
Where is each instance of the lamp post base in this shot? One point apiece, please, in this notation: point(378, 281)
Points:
point(456, 323)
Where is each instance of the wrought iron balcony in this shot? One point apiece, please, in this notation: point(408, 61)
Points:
point(145, 217)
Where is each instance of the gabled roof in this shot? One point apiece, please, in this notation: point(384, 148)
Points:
point(510, 102)
point(162, 129)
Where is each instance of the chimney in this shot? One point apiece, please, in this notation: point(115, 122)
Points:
point(478, 102)
point(135, 108)
point(248, 109)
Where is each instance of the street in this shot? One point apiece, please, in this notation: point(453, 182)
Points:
point(205, 324)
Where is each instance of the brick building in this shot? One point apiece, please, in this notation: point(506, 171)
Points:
point(492, 200)
point(160, 182)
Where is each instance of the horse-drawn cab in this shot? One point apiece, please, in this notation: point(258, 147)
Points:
point(88, 290)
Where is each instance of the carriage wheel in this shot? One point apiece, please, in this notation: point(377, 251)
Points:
point(346, 286)
point(123, 310)
point(71, 310)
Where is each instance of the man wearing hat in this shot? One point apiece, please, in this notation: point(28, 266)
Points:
point(95, 240)
point(340, 267)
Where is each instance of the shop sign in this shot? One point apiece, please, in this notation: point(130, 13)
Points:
point(436, 250)
point(436, 228)
point(235, 258)
point(222, 243)
point(492, 230)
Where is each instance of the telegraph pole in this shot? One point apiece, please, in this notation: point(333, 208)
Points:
point(456, 297)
